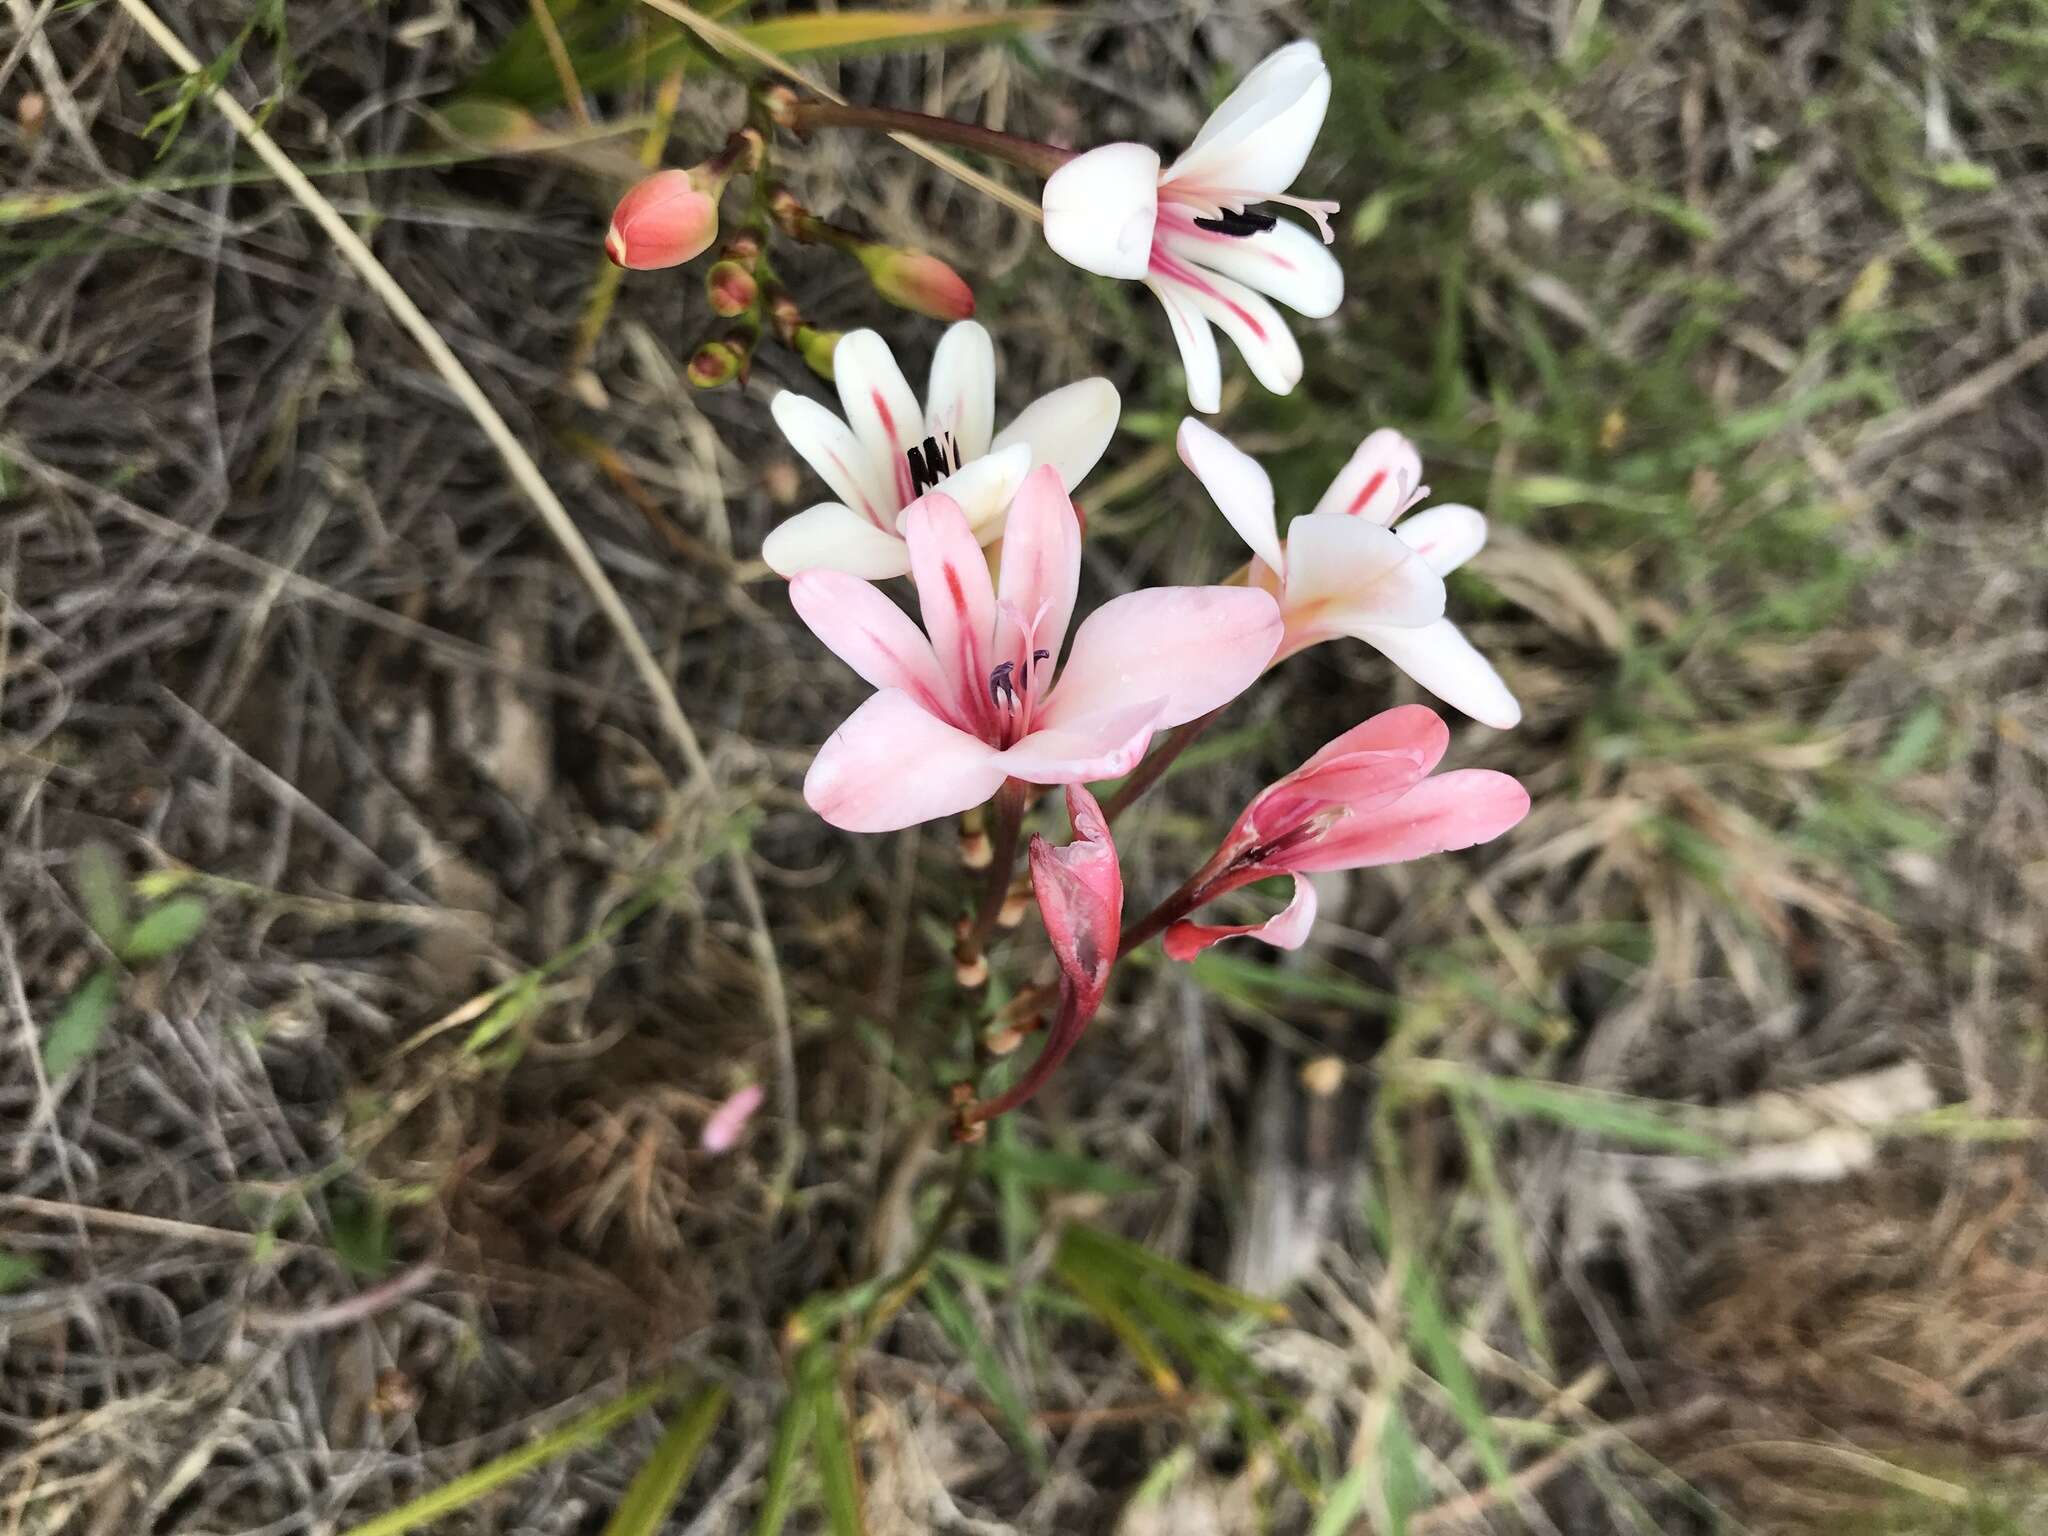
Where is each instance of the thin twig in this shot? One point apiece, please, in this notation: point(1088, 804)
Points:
point(725, 37)
point(339, 1314)
point(527, 476)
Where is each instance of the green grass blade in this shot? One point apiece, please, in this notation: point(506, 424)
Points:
point(584, 1429)
point(1643, 1122)
point(164, 929)
point(1192, 1281)
point(1509, 1240)
point(778, 1492)
point(951, 1311)
point(1101, 1298)
point(838, 1472)
point(103, 892)
point(656, 1485)
point(1436, 1341)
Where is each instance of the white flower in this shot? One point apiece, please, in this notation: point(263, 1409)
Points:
point(1348, 568)
point(888, 452)
point(1186, 232)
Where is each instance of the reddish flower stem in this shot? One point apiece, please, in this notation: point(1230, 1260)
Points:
point(1026, 154)
point(1153, 769)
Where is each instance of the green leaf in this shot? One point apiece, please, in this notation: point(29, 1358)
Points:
point(164, 930)
point(75, 1033)
point(362, 1232)
point(662, 1477)
point(103, 892)
point(778, 1492)
point(522, 72)
point(464, 1491)
point(952, 1315)
point(17, 1270)
point(1914, 744)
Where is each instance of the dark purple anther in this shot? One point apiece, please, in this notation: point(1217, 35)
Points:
point(1238, 224)
point(1000, 686)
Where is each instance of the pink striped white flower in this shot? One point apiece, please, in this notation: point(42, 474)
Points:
point(1190, 235)
point(1357, 566)
point(889, 450)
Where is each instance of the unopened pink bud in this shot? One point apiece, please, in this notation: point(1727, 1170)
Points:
point(731, 289)
point(715, 363)
point(662, 222)
point(919, 282)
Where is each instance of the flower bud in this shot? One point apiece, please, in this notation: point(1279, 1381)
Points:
point(715, 363)
point(662, 222)
point(816, 348)
point(487, 122)
point(731, 289)
point(918, 281)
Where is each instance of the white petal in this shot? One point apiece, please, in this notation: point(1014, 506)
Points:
point(1196, 341)
point(961, 397)
point(829, 537)
point(1258, 140)
point(1285, 262)
point(1242, 490)
point(1442, 660)
point(1377, 481)
point(984, 489)
point(1343, 573)
point(880, 408)
point(1446, 536)
point(828, 445)
point(1100, 208)
point(1261, 335)
point(1068, 429)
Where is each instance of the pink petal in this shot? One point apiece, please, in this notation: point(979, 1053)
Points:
point(1343, 572)
point(1286, 929)
point(894, 764)
point(870, 634)
point(1194, 648)
point(1041, 572)
point(1197, 343)
point(1080, 890)
point(1440, 815)
point(1445, 537)
point(1106, 745)
point(1370, 765)
point(1378, 481)
point(1441, 659)
point(1241, 489)
point(722, 1129)
point(957, 601)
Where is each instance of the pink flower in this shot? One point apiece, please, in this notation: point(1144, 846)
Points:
point(662, 222)
point(970, 700)
point(1365, 799)
point(1080, 890)
point(722, 1129)
point(1186, 232)
point(1346, 570)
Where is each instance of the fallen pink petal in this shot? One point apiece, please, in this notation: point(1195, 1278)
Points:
point(724, 1126)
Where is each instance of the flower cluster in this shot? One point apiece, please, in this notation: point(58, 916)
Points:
point(985, 698)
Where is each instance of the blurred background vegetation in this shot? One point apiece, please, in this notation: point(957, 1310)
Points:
point(370, 958)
